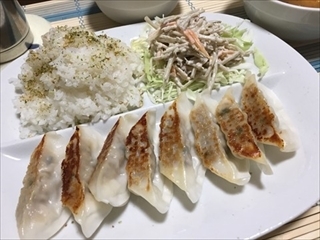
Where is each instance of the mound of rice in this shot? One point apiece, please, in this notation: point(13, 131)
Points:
point(76, 77)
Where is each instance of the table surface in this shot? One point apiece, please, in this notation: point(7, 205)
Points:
point(306, 226)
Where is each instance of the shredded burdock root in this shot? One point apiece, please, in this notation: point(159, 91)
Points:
point(188, 52)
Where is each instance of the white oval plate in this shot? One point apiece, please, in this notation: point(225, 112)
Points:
point(225, 211)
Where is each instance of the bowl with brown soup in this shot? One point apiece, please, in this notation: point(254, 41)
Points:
point(291, 20)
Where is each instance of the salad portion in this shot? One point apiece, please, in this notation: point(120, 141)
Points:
point(186, 52)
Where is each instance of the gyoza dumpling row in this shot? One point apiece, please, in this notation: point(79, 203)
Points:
point(258, 119)
point(225, 135)
point(88, 176)
point(92, 175)
point(210, 143)
point(238, 133)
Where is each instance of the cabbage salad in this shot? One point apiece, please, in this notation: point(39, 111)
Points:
point(188, 53)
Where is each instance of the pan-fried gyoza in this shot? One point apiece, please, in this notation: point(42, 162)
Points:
point(210, 143)
point(144, 177)
point(148, 154)
point(266, 116)
point(77, 167)
point(108, 182)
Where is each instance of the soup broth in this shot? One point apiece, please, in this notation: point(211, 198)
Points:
point(304, 3)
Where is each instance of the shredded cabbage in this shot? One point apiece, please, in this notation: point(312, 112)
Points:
point(260, 62)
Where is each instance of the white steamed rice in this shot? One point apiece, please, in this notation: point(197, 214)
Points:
point(76, 77)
